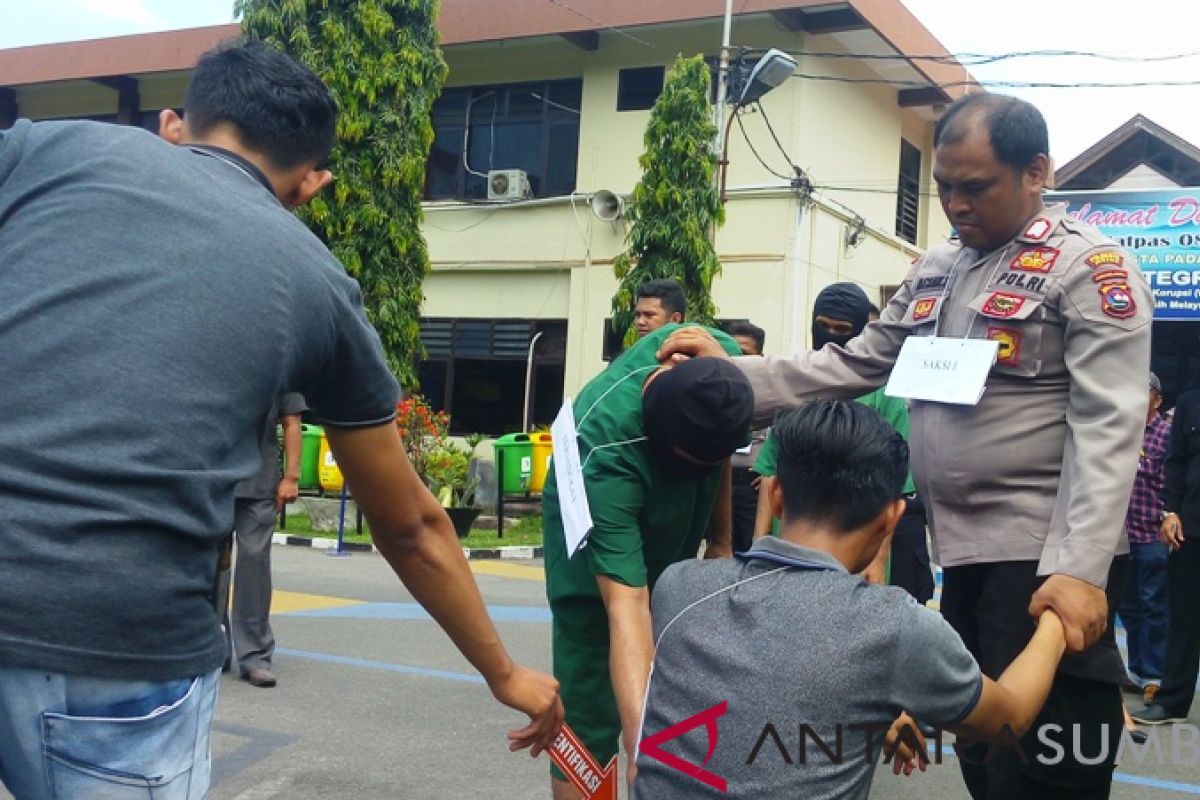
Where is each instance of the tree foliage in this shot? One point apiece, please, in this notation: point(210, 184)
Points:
point(675, 205)
point(380, 58)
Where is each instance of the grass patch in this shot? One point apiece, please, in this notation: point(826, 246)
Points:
point(524, 531)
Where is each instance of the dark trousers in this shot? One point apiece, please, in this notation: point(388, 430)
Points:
point(988, 605)
point(1144, 610)
point(745, 507)
point(1183, 640)
point(910, 553)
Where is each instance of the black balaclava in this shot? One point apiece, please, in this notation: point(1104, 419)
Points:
point(702, 406)
point(844, 301)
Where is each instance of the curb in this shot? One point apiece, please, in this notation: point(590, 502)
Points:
point(515, 552)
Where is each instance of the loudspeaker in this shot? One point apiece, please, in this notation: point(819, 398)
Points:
point(607, 206)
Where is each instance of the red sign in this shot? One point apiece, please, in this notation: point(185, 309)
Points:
point(652, 745)
point(581, 768)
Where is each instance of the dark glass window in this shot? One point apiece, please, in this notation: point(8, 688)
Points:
point(908, 193)
point(475, 371)
point(529, 126)
point(639, 87)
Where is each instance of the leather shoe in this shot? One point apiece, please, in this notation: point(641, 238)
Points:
point(1156, 715)
point(260, 677)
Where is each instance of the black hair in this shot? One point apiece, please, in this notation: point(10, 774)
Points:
point(839, 463)
point(278, 106)
point(741, 327)
point(1016, 128)
point(669, 293)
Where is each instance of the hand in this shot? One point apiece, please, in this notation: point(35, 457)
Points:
point(718, 551)
point(286, 492)
point(1172, 532)
point(536, 694)
point(754, 484)
point(905, 744)
point(690, 342)
point(1081, 606)
point(875, 573)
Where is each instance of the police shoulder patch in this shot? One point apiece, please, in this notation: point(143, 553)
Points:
point(1105, 259)
point(1116, 300)
point(1110, 276)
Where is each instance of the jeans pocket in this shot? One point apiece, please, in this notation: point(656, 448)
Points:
point(150, 757)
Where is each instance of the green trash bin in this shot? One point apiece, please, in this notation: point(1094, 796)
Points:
point(515, 452)
point(310, 461)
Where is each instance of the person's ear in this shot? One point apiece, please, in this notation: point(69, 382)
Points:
point(890, 517)
point(774, 496)
point(170, 126)
point(310, 185)
point(1037, 172)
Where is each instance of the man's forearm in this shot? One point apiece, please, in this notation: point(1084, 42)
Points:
point(720, 524)
point(631, 645)
point(291, 447)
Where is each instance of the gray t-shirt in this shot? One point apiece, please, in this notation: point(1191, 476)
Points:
point(798, 654)
point(156, 301)
point(266, 480)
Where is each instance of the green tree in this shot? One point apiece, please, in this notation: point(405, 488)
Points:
point(380, 58)
point(675, 205)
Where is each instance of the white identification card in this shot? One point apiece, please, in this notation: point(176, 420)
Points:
point(942, 370)
point(568, 477)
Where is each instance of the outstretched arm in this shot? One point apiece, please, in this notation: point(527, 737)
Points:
point(416, 537)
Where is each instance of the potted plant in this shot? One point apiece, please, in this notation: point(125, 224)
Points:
point(443, 465)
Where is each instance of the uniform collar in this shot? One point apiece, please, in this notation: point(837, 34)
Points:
point(772, 548)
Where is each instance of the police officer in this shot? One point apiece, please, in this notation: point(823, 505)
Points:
point(1027, 489)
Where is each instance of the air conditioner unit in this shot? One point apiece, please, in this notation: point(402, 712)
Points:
point(507, 184)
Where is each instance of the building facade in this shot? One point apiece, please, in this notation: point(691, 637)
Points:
point(518, 302)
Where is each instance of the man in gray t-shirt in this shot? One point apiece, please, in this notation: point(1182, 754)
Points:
point(778, 674)
point(156, 300)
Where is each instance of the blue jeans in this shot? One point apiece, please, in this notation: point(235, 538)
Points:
point(1143, 611)
point(69, 736)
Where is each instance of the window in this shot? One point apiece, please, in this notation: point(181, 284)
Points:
point(639, 87)
point(475, 370)
point(908, 193)
point(529, 126)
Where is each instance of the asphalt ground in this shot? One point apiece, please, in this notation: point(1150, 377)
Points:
point(374, 702)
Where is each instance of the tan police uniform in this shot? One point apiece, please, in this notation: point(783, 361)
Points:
point(1041, 469)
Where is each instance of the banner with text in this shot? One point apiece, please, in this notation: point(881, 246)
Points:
point(1160, 229)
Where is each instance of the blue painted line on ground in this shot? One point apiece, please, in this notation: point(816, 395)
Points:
point(1118, 777)
point(388, 666)
point(413, 611)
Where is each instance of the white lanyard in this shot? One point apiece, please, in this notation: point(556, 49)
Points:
point(952, 281)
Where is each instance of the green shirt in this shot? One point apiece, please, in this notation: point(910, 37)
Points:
point(644, 520)
point(891, 409)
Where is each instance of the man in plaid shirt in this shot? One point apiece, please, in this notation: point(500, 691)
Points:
point(1143, 610)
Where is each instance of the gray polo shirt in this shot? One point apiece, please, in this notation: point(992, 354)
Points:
point(264, 483)
point(798, 654)
point(156, 302)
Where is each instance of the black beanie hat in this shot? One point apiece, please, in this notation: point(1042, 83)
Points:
point(702, 406)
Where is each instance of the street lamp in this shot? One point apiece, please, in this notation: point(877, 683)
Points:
point(768, 72)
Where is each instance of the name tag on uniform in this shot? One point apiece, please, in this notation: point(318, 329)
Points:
point(942, 370)
point(568, 477)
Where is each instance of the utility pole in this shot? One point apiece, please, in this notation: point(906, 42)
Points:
point(723, 82)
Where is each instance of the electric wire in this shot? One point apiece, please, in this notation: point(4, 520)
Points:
point(754, 150)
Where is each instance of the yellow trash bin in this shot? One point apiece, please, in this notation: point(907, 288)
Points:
point(327, 470)
point(543, 448)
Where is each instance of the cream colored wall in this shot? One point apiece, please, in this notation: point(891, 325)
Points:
point(86, 98)
point(559, 256)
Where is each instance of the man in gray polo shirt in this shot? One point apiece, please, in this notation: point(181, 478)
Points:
point(157, 299)
point(809, 664)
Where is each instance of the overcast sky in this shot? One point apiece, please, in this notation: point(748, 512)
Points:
point(1077, 117)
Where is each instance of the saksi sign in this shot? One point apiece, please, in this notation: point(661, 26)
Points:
point(1160, 229)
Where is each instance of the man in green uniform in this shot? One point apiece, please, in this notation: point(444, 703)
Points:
point(652, 442)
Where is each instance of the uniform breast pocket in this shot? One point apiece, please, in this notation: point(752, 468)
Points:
point(1017, 322)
